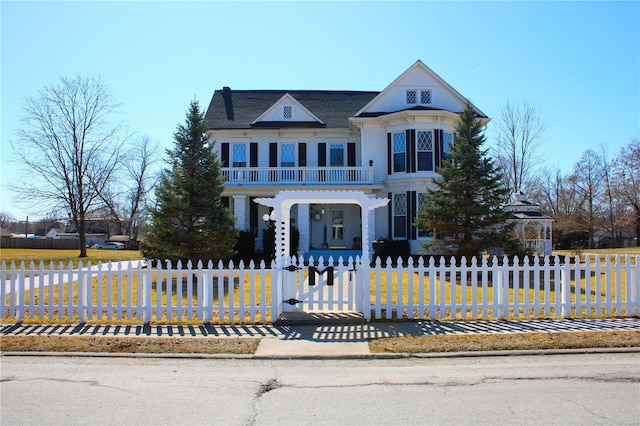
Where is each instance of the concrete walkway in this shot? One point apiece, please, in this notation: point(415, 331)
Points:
point(349, 339)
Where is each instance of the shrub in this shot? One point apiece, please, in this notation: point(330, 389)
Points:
point(245, 246)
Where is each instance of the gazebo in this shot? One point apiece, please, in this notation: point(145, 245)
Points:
point(534, 229)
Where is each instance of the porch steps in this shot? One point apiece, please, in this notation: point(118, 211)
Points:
point(319, 318)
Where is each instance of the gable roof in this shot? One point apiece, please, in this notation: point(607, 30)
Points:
point(417, 65)
point(239, 109)
point(243, 109)
point(289, 100)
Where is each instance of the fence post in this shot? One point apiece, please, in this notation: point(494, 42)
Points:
point(363, 282)
point(500, 289)
point(205, 281)
point(288, 283)
point(635, 278)
point(82, 290)
point(276, 288)
point(146, 292)
point(565, 286)
point(18, 288)
point(503, 288)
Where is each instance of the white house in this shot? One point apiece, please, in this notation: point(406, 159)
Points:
point(326, 152)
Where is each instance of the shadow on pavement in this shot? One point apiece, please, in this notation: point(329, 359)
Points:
point(331, 330)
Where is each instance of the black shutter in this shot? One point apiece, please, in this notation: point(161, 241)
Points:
point(224, 154)
point(438, 147)
point(225, 201)
point(351, 154)
point(412, 218)
point(411, 151)
point(253, 154)
point(389, 155)
point(322, 154)
point(253, 215)
point(273, 154)
point(390, 211)
point(302, 154)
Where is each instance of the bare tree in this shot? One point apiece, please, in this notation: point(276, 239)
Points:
point(611, 201)
point(70, 147)
point(590, 183)
point(126, 196)
point(627, 170)
point(547, 191)
point(520, 132)
point(6, 219)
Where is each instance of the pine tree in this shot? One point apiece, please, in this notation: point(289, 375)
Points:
point(466, 204)
point(189, 221)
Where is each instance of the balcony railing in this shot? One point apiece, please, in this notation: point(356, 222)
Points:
point(298, 175)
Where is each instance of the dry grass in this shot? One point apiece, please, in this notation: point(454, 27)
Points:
point(425, 344)
point(592, 252)
point(503, 342)
point(182, 345)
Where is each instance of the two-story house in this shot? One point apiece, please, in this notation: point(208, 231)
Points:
point(385, 145)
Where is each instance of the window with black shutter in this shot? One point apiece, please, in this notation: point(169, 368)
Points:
point(424, 145)
point(400, 215)
point(399, 152)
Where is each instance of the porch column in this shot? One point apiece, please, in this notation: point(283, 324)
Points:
point(304, 226)
point(240, 212)
point(370, 230)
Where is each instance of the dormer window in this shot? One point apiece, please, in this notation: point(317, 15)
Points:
point(411, 97)
point(287, 112)
point(425, 97)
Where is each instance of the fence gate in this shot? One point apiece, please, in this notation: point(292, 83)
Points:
point(323, 286)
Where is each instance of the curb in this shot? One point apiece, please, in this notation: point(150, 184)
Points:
point(372, 356)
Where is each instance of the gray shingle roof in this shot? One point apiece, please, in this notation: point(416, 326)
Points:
point(237, 109)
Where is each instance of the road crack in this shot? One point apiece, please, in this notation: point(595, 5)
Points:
point(48, 379)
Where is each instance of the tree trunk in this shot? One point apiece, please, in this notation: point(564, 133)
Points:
point(636, 209)
point(83, 236)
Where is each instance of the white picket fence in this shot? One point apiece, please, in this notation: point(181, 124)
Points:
point(130, 292)
point(530, 288)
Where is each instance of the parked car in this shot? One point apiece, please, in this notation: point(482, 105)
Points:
point(111, 246)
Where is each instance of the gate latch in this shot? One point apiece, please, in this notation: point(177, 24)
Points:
point(292, 301)
point(292, 268)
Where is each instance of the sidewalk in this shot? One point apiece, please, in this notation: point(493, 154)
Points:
point(333, 339)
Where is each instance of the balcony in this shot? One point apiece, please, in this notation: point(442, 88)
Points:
point(293, 176)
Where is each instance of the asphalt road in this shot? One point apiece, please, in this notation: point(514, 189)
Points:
point(549, 389)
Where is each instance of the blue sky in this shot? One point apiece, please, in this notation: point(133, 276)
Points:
point(578, 62)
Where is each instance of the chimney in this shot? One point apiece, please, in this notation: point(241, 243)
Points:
point(228, 103)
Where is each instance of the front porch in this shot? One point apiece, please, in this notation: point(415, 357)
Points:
point(330, 223)
point(288, 176)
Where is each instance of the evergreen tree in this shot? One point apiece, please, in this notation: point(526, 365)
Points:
point(466, 205)
point(189, 221)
